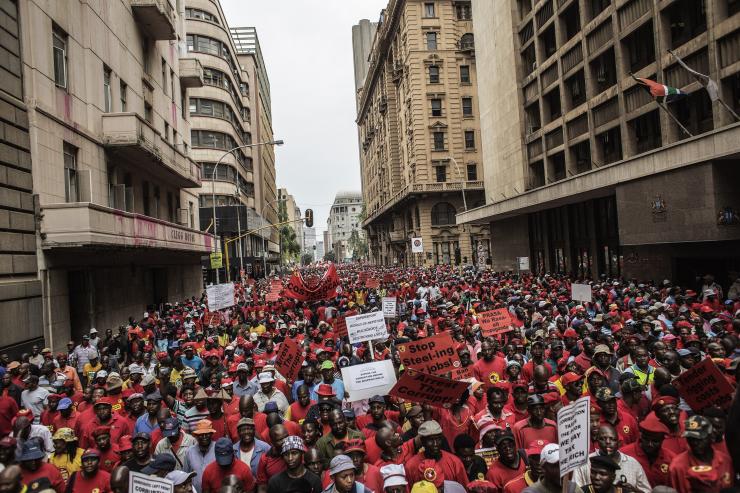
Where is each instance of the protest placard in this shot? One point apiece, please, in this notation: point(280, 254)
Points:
point(574, 435)
point(212, 319)
point(372, 283)
point(289, 359)
point(703, 385)
point(390, 277)
point(340, 327)
point(363, 276)
point(144, 483)
point(580, 292)
point(494, 322)
point(435, 355)
point(369, 379)
point(220, 296)
point(428, 389)
point(389, 307)
point(366, 327)
point(489, 455)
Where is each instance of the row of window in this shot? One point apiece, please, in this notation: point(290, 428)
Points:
point(204, 44)
point(192, 13)
point(439, 138)
point(440, 172)
point(434, 74)
point(219, 109)
point(463, 11)
point(219, 140)
point(226, 173)
point(466, 41)
point(467, 106)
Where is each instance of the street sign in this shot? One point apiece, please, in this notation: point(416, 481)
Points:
point(417, 245)
point(217, 260)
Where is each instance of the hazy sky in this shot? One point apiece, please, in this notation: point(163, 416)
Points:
point(307, 46)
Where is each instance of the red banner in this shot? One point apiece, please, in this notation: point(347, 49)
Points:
point(494, 322)
point(434, 355)
point(372, 284)
point(340, 327)
point(289, 359)
point(419, 387)
point(703, 385)
point(325, 288)
point(389, 277)
point(212, 318)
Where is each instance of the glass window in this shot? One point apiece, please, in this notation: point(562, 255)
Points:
point(472, 172)
point(433, 74)
point(107, 93)
point(436, 107)
point(71, 183)
point(467, 106)
point(441, 172)
point(469, 139)
point(429, 9)
point(443, 214)
point(59, 48)
point(463, 11)
point(439, 141)
point(431, 41)
point(465, 74)
point(124, 96)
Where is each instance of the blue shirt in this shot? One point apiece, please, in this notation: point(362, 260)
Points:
point(197, 463)
point(196, 363)
point(143, 425)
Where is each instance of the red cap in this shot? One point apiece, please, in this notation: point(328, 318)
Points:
point(326, 390)
point(706, 309)
point(101, 430)
point(519, 384)
point(570, 377)
point(684, 323)
point(663, 400)
point(124, 443)
point(570, 332)
point(653, 424)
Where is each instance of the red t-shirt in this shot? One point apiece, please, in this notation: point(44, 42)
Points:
point(500, 474)
point(268, 467)
point(99, 483)
point(490, 372)
point(45, 471)
point(524, 433)
point(214, 474)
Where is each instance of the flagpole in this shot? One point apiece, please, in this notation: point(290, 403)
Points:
point(662, 106)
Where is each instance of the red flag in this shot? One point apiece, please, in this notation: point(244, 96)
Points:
point(300, 291)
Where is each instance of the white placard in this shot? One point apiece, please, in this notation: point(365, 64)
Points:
point(574, 435)
point(580, 292)
point(523, 263)
point(143, 483)
point(417, 245)
point(369, 379)
point(389, 307)
point(366, 327)
point(220, 296)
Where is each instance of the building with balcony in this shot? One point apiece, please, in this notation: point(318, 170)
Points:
point(223, 117)
point(110, 142)
point(420, 135)
point(344, 218)
point(584, 172)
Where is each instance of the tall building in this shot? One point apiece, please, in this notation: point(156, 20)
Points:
point(585, 173)
point(309, 241)
point(250, 56)
point(21, 293)
point(319, 250)
point(292, 214)
point(363, 34)
point(327, 240)
point(344, 218)
point(105, 85)
point(419, 132)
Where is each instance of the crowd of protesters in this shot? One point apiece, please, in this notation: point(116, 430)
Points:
point(196, 396)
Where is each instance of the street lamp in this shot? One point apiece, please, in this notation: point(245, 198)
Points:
point(213, 185)
point(462, 178)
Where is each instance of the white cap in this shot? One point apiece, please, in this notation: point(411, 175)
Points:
point(393, 475)
point(93, 330)
point(550, 454)
point(265, 377)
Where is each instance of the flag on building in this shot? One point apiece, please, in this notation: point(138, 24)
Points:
point(706, 81)
point(658, 90)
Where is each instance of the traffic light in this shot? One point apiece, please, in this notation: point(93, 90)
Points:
point(309, 218)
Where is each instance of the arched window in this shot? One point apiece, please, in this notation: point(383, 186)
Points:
point(443, 214)
point(467, 42)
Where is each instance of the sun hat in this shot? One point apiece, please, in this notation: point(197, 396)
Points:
point(340, 463)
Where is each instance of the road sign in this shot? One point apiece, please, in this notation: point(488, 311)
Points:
point(217, 260)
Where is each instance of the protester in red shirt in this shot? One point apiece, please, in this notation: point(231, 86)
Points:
point(509, 464)
point(448, 464)
point(33, 469)
point(225, 465)
point(490, 368)
point(650, 453)
point(91, 478)
point(271, 462)
point(536, 426)
point(623, 423)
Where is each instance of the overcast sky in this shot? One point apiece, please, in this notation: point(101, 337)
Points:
point(307, 46)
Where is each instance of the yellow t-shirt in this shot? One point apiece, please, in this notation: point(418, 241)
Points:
point(89, 371)
point(67, 467)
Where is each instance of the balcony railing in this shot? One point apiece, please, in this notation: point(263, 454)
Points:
point(156, 18)
point(86, 225)
point(132, 138)
point(191, 73)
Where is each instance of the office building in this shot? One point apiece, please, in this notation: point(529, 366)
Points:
point(420, 135)
point(309, 241)
point(584, 172)
point(106, 87)
point(344, 219)
point(319, 250)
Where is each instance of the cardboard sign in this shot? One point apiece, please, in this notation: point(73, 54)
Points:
point(428, 389)
point(369, 379)
point(212, 318)
point(366, 327)
point(580, 292)
point(272, 297)
point(389, 307)
point(289, 359)
point(144, 483)
point(340, 327)
point(417, 245)
point(389, 278)
point(372, 284)
point(573, 435)
point(703, 385)
point(523, 263)
point(363, 276)
point(434, 355)
point(490, 455)
point(220, 296)
point(494, 322)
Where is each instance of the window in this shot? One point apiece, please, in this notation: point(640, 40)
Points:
point(155, 204)
point(431, 41)
point(164, 76)
point(166, 131)
point(429, 9)
point(472, 172)
point(172, 84)
point(107, 93)
point(436, 107)
point(433, 74)
point(443, 214)
point(464, 74)
point(148, 113)
point(145, 55)
point(467, 42)
point(71, 181)
point(60, 57)
point(191, 13)
point(439, 141)
point(441, 173)
point(463, 12)
point(124, 96)
point(469, 139)
point(467, 106)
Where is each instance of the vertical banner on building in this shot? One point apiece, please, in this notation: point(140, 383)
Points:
point(417, 245)
point(220, 296)
point(573, 435)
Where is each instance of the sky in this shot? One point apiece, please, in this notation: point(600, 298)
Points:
point(307, 46)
